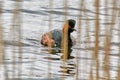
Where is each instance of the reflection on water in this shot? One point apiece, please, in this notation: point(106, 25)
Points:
point(42, 63)
point(66, 68)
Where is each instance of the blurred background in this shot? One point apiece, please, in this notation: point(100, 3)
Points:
point(96, 55)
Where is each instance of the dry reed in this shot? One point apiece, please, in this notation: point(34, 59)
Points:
point(109, 32)
point(1, 36)
point(17, 26)
point(17, 35)
point(49, 44)
point(96, 49)
point(118, 71)
point(2, 45)
point(64, 43)
point(78, 62)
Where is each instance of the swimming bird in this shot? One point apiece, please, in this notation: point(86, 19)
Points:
point(54, 37)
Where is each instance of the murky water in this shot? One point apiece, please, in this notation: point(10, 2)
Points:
point(35, 62)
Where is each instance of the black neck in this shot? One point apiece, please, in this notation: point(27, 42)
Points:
point(69, 40)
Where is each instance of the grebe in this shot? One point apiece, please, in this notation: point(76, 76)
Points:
point(54, 37)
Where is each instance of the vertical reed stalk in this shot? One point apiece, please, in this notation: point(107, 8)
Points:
point(88, 44)
point(17, 35)
point(65, 2)
point(88, 41)
point(96, 49)
point(91, 74)
point(20, 38)
point(108, 45)
point(106, 57)
point(2, 45)
point(49, 44)
point(50, 22)
point(65, 33)
point(80, 3)
point(1, 36)
point(64, 42)
point(118, 72)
